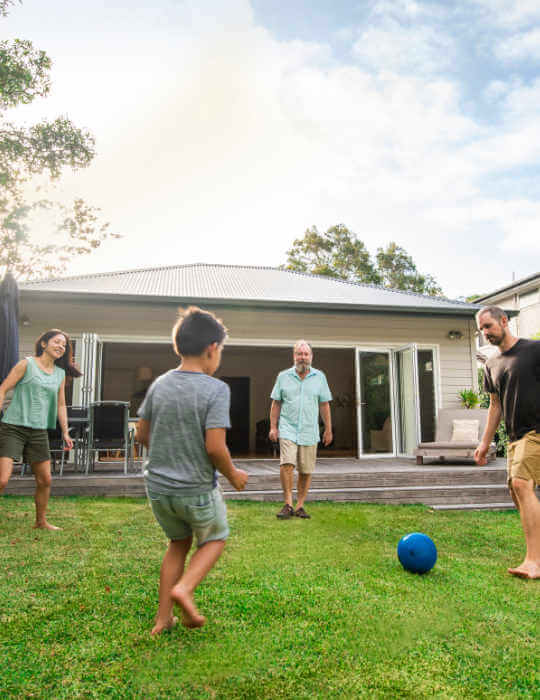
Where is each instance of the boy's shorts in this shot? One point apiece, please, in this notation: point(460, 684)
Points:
point(18, 441)
point(204, 516)
point(523, 458)
point(303, 457)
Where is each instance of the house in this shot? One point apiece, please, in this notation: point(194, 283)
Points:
point(392, 358)
point(523, 297)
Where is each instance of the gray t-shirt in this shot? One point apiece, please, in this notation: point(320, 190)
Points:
point(181, 406)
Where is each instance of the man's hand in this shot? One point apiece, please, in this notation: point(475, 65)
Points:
point(480, 454)
point(239, 479)
point(327, 436)
point(273, 435)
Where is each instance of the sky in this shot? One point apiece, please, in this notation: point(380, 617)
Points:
point(226, 128)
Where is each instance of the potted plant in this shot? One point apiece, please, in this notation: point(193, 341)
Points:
point(469, 398)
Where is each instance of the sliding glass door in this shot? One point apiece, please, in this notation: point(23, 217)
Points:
point(407, 401)
point(88, 355)
point(396, 400)
point(375, 403)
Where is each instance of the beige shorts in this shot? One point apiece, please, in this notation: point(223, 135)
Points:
point(523, 458)
point(303, 457)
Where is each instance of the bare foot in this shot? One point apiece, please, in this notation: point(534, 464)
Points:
point(160, 627)
point(190, 615)
point(45, 526)
point(528, 569)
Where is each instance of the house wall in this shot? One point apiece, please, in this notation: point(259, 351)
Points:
point(523, 297)
point(527, 322)
point(152, 322)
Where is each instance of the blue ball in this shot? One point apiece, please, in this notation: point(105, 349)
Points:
point(417, 552)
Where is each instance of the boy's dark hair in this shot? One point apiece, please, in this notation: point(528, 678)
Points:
point(195, 330)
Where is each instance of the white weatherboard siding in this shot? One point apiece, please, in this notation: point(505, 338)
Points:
point(139, 321)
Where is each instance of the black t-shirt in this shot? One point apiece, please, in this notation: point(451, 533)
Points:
point(515, 376)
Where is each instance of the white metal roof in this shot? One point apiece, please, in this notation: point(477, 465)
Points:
point(245, 285)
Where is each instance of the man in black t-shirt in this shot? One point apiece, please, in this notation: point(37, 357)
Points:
point(512, 379)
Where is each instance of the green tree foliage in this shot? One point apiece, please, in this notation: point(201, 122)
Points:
point(336, 253)
point(44, 149)
point(398, 271)
point(340, 253)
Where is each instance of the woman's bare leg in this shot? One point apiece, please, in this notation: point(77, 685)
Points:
point(6, 467)
point(42, 474)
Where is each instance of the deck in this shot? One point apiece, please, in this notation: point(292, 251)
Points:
point(390, 481)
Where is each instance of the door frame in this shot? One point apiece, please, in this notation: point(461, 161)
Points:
point(391, 373)
point(392, 351)
point(416, 393)
point(280, 343)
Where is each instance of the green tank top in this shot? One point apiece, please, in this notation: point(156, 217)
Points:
point(35, 398)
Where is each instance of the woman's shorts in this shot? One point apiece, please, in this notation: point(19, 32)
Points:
point(18, 441)
point(203, 516)
point(523, 458)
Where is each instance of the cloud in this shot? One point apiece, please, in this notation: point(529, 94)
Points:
point(509, 14)
point(525, 45)
point(403, 37)
point(220, 143)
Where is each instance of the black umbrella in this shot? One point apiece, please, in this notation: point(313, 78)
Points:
point(9, 325)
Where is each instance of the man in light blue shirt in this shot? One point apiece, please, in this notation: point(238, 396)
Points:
point(299, 395)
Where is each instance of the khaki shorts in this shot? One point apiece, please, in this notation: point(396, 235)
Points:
point(303, 457)
point(19, 442)
point(203, 516)
point(523, 460)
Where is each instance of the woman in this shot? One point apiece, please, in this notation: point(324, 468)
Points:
point(38, 399)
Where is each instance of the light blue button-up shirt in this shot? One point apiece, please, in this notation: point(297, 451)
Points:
point(300, 399)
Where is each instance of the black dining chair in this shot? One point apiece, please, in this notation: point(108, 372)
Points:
point(78, 430)
point(108, 429)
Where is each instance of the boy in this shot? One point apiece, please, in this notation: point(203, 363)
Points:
point(182, 421)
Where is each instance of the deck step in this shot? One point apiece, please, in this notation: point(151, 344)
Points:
point(386, 479)
point(474, 506)
point(389, 481)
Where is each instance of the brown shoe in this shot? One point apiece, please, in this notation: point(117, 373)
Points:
point(301, 513)
point(286, 512)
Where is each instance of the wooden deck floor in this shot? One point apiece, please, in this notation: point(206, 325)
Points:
point(395, 480)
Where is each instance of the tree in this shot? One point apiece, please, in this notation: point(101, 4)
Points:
point(340, 253)
point(336, 253)
point(44, 149)
point(398, 271)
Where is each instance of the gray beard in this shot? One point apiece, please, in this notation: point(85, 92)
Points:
point(302, 368)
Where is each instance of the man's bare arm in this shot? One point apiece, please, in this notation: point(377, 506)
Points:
point(324, 409)
point(493, 420)
point(275, 410)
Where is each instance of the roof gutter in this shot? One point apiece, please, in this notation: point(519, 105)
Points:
point(467, 311)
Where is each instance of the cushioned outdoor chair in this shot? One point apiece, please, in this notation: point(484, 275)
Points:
point(457, 436)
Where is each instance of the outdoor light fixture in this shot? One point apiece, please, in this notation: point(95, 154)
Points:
point(455, 335)
point(25, 321)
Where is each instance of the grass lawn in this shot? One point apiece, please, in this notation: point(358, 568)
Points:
point(303, 609)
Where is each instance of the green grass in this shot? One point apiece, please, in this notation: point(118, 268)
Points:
point(302, 609)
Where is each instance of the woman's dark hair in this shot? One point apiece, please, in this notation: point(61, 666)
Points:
point(66, 361)
point(195, 330)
